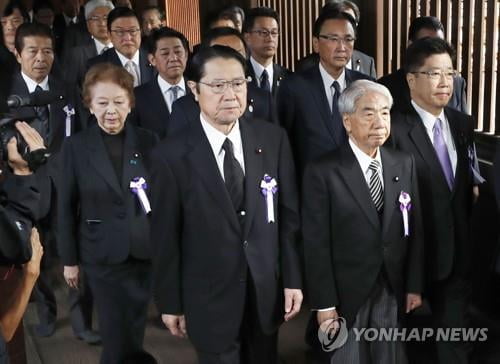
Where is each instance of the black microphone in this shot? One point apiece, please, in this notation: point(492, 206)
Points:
point(38, 98)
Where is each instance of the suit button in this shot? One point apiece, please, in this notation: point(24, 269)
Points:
point(122, 215)
point(245, 244)
point(242, 213)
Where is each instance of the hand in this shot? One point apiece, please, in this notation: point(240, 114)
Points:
point(30, 136)
point(413, 301)
point(32, 268)
point(71, 273)
point(176, 324)
point(293, 302)
point(326, 315)
point(475, 193)
point(16, 162)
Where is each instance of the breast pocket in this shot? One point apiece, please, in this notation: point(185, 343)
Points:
point(91, 229)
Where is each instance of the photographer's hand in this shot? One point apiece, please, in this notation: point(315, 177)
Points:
point(30, 136)
point(34, 142)
point(32, 268)
point(71, 273)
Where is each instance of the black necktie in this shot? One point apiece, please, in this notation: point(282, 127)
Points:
point(42, 114)
point(264, 81)
point(233, 176)
point(338, 127)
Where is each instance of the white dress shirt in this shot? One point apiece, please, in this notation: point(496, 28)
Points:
point(134, 59)
point(216, 139)
point(258, 69)
point(328, 81)
point(428, 119)
point(100, 46)
point(365, 160)
point(32, 84)
point(168, 95)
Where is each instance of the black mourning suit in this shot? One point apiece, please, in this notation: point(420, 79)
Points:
point(446, 215)
point(105, 230)
point(303, 110)
point(207, 257)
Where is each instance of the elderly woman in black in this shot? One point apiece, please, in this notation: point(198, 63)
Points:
point(102, 211)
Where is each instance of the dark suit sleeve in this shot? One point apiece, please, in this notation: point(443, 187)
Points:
point(67, 207)
point(321, 283)
point(289, 218)
point(415, 260)
point(18, 205)
point(166, 223)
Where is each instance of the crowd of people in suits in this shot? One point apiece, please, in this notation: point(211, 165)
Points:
point(229, 189)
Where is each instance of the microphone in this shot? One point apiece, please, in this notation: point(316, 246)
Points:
point(39, 98)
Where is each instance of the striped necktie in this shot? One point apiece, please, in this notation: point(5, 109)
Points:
point(375, 186)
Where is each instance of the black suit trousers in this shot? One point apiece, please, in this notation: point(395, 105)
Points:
point(121, 293)
point(252, 346)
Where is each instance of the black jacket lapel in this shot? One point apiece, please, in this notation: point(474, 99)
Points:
point(253, 171)
point(132, 158)
point(204, 163)
point(316, 86)
point(391, 169)
point(99, 158)
point(356, 182)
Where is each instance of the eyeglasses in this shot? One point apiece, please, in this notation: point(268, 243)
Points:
point(220, 86)
point(437, 74)
point(98, 18)
point(122, 32)
point(336, 39)
point(264, 33)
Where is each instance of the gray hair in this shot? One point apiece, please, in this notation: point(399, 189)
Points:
point(93, 4)
point(351, 95)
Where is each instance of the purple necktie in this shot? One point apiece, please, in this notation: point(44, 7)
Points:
point(442, 152)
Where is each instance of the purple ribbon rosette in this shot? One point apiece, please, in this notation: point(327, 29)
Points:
point(405, 207)
point(268, 188)
point(70, 111)
point(138, 186)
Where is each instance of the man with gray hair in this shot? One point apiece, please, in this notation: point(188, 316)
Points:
point(96, 15)
point(362, 231)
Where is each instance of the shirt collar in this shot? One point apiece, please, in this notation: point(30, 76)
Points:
point(100, 46)
point(328, 79)
point(124, 59)
point(427, 118)
point(216, 138)
point(165, 85)
point(258, 68)
point(364, 159)
point(67, 19)
point(33, 84)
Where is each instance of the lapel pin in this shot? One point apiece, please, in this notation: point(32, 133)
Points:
point(396, 179)
point(258, 150)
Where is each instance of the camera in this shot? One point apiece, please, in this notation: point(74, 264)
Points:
point(22, 108)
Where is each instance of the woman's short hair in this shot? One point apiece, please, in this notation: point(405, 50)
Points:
point(107, 72)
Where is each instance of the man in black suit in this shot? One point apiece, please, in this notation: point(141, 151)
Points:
point(69, 17)
point(226, 263)
point(441, 141)
point(186, 110)
point(34, 45)
point(307, 101)
point(424, 26)
point(359, 61)
point(75, 62)
point(168, 53)
point(261, 31)
point(354, 195)
point(125, 31)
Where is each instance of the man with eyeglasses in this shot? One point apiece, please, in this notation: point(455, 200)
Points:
point(308, 101)
point(424, 26)
point(124, 27)
point(440, 139)
point(226, 259)
point(261, 31)
point(96, 13)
